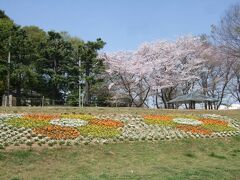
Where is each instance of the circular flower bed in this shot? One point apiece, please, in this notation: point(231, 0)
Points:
point(57, 132)
point(16, 129)
point(68, 122)
point(187, 121)
point(192, 123)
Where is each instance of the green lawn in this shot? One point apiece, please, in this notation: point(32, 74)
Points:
point(180, 159)
point(108, 110)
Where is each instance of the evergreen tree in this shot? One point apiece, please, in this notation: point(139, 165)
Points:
point(91, 69)
point(54, 65)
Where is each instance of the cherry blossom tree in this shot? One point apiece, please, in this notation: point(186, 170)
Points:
point(173, 63)
point(155, 67)
point(226, 36)
point(122, 69)
point(217, 73)
point(234, 87)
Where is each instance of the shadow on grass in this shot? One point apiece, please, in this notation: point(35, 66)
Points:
point(212, 154)
point(22, 155)
point(15, 178)
point(2, 156)
point(189, 154)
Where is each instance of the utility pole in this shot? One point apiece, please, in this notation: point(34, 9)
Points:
point(79, 86)
point(8, 74)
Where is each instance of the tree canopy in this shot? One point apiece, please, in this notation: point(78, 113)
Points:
point(47, 64)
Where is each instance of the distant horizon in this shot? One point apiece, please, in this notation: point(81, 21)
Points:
point(123, 25)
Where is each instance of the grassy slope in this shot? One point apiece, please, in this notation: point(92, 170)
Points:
point(191, 159)
point(106, 110)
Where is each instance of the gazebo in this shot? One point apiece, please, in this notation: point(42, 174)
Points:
point(194, 98)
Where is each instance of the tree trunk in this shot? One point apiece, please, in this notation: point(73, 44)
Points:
point(87, 86)
point(205, 104)
point(156, 100)
point(164, 99)
point(87, 93)
point(18, 95)
point(18, 91)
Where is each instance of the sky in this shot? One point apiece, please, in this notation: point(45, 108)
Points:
point(122, 24)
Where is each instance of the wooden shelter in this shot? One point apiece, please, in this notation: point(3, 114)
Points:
point(194, 98)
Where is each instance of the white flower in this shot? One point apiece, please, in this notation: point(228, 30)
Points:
point(187, 121)
point(212, 116)
point(9, 116)
point(217, 117)
point(68, 122)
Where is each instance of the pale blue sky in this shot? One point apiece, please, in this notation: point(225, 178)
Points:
point(123, 24)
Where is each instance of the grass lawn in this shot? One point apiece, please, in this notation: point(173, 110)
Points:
point(108, 110)
point(180, 159)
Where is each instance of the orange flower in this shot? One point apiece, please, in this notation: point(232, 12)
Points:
point(57, 132)
point(107, 122)
point(194, 129)
point(214, 121)
point(158, 117)
point(46, 117)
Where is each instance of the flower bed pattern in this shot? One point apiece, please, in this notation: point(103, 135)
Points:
point(57, 132)
point(199, 125)
point(28, 129)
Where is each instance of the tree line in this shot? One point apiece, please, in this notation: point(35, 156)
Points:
point(50, 64)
